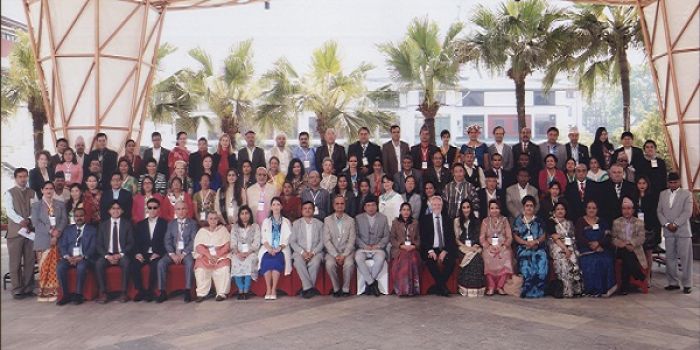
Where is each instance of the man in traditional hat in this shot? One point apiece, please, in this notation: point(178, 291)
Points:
point(576, 150)
point(674, 211)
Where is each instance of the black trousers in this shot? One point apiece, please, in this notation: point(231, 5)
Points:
point(102, 264)
point(630, 267)
point(136, 275)
point(440, 275)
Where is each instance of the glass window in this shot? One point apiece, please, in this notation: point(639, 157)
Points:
point(472, 98)
point(542, 123)
point(570, 93)
point(542, 99)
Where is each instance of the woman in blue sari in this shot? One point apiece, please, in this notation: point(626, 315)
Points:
point(528, 233)
point(596, 259)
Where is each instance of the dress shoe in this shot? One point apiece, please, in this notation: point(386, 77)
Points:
point(220, 297)
point(375, 289)
point(337, 294)
point(306, 294)
point(102, 299)
point(63, 301)
point(148, 297)
point(139, 296)
point(78, 299)
point(315, 292)
point(199, 299)
point(124, 298)
point(245, 295)
point(240, 296)
point(188, 296)
point(672, 287)
point(687, 290)
point(162, 297)
point(345, 294)
point(19, 296)
point(433, 290)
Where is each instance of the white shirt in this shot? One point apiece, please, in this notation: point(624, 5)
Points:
point(309, 235)
point(522, 191)
point(672, 197)
point(574, 151)
point(111, 234)
point(397, 150)
point(628, 152)
point(10, 207)
point(437, 223)
point(490, 196)
point(151, 231)
point(499, 147)
point(115, 194)
point(156, 154)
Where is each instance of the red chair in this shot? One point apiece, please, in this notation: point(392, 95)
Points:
point(427, 281)
point(176, 280)
point(327, 287)
point(113, 279)
point(320, 283)
point(89, 288)
point(642, 285)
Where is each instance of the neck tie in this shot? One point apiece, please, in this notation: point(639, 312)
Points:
point(77, 240)
point(439, 232)
point(524, 147)
point(582, 189)
point(179, 232)
point(115, 239)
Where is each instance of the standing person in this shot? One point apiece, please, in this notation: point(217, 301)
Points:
point(570, 171)
point(422, 153)
point(157, 153)
point(628, 171)
point(70, 168)
point(317, 195)
point(516, 193)
point(78, 200)
point(212, 246)
point(437, 174)
point(195, 164)
point(467, 235)
point(106, 156)
point(228, 199)
point(504, 178)
point(291, 203)
point(61, 192)
point(613, 191)
point(283, 154)
point(553, 196)
point(412, 196)
point(438, 247)
point(250, 152)
point(259, 195)
point(49, 219)
point(674, 211)
point(132, 157)
point(128, 181)
point(115, 246)
point(653, 167)
point(501, 148)
point(177, 194)
point(635, 155)
point(601, 148)
point(93, 197)
point(179, 245)
point(393, 151)
point(247, 174)
point(116, 193)
point(179, 153)
point(646, 202)
point(276, 257)
point(208, 169)
point(306, 242)
point(80, 154)
point(362, 193)
point(574, 150)
point(149, 239)
point(344, 188)
point(458, 190)
point(562, 249)
point(296, 176)
point(406, 171)
point(372, 237)
point(595, 172)
point(305, 153)
point(525, 146)
point(160, 182)
point(474, 174)
point(328, 180)
point(204, 200)
point(529, 234)
point(333, 151)
point(276, 175)
point(353, 173)
point(225, 157)
point(339, 236)
point(139, 209)
point(76, 247)
point(551, 146)
point(497, 239)
point(405, 245)
point(481, 157)
point(490, 193)
point(41, 173)
point(375, 178)
point(449, 152)
point(390, 201)
point(61, 145)
point(245, 242)
point(628, 237)
point(596, 257)
point(550, 174)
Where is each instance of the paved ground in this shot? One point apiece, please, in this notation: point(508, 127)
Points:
point(659, 320)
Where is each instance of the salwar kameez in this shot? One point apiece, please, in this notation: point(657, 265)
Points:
point(205, 271)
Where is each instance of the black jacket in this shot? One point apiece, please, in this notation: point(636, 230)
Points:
point(143, 241)
point(372, 153)
point(427, 235)
point(339, 158)
point(162, 161)
point(125, 200)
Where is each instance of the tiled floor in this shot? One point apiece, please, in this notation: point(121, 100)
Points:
point(658, 320)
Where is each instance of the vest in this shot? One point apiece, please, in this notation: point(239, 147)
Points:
point(21, 201)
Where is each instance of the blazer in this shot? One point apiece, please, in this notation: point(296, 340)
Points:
point(391, 164)
point(298, 238)
point(232, 164)
point(560, 154)
point(36, 181)
point(126, 237)
point(637, 239)
point(162, 160)
point(678, 214)
point(339, 242)
point(484, 204)
point(427, 235)
point(535, 156)
point(143, 238)
point(188, 234)
point(507, 178)
point(399, 231)
point(194, 170)
point(109, 164)
point(583, 156)
point(637, 160)
point(658, 176)
point(514, 203)
point(378, 234)
point(417, 155)
point(559, 177)
point(400, 181)
point(609, 201)
point(431, 175)
point(373, 152)
point(87, 242)
point(577, 206)
point(258, 158)
point(508, 161)
point(339, 158)
point(125, 200)
point(322, 201)
point(266, 236)
point(42, 223)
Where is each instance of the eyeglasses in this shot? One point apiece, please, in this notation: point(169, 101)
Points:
point(152, 208)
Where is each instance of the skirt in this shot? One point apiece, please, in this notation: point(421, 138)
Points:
point(48, 280)
point(406, 272)
point(272, 263)
point(471, 276)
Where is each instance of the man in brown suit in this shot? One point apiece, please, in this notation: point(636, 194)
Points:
point(392, 149)
point(18, 201)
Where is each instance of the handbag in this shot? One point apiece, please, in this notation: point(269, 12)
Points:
point(513, 285)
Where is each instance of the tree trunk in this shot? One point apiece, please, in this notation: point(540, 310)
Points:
point(520, 101)
point(625, 84)
point(429, 112)
point(230, 127)
point(36, 109)
point(321, 127)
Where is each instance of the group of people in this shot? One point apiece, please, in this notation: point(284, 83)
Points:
point(503, 215)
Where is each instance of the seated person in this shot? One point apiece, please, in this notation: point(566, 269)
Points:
point(306, 242)
point(339, 239)
point(150, 247)
point(179, 244)
point(405, 242)
point(372, 238)
point(438, 246)
point(76, 247)
point(528, 233)
point(212, 246)
point(496, 238)
point(115, 245)
point(628, 236)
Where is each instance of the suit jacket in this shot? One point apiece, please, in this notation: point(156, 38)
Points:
point(400, 181)
point(431, 175)
point(391, 164)
point(637, 160)
point(258, 158)
point(637, 239)
point(322, 201)
point(679, 214)
point(125, 200)
point(535, 157)
point(513, 201)
point(42, 223)
point(88, 241)
point(427, 236)
point(378, 234)
point(657, 175)
point(611, 204)
point(109, 164)
point(162, 160)
point(583, 156)
point(194, 169)
point(126, 237)
point(577, 206)
point(507, 178)
point(484, 204)
point(417, 156)
point(372, 153)
point(339, 243)
point(298, 238)
point(508, 161)
point(339, 158)
point(143, 237)
point(189, 231)
point(560, 152)
point(36, 181)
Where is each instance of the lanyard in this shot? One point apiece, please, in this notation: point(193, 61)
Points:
point(77, 240)
point(50, 207)
point(314, 196)
point(424, 153)
point(306, 154)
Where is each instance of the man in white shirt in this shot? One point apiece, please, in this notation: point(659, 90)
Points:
point(501, 148)
point(281, 152)
point(306, 242)
point(17, 202)
point(160, 154)
point(150, 248)
point(115, 245)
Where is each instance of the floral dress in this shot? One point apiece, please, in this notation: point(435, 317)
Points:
point(567, 269)
point(533, 263)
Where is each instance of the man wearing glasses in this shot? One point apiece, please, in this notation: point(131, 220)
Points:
point(150, 247)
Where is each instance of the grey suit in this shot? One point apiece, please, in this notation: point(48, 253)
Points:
point(560, 152)
point(514, 202)
point(679, 243)
point(375, 235)
point(307, 270)
point(171, 247)
point(507, 156)
point(339, 239)
point(42, 222)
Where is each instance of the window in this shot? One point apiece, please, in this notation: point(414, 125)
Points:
point(472, 98)
point(467, 120)
point(440, 97)
point(542, 123)
point(542, 99)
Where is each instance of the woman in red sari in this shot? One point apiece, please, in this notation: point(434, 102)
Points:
point(225, 156)
point(131, 155)
point(92, 197)
point(291, 203)
point(179, 152)
point(175, 194)
point(138, 209)
point(405, 265)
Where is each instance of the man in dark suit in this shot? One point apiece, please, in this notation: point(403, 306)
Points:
point(422, 153)
point(438, 247)
point(579, 192)
point(251, 153)
point(335, 151)
point(160, 154)
point(407, 170)
point(437, 173)
point(179, 244)
point(504, 178)
point(393, 151)
point(491, 192)
point(150, 247)
point(115, 245)
point(635, 155)
point(526, 146)
point(107, 157)
point(576, 150)
point(612, 192)
point(61, 145)
point(366, 151)
point(116, 193)
point(195, 168)
point(76, 246)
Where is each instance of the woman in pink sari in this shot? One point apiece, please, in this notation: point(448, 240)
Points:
point(496, 238)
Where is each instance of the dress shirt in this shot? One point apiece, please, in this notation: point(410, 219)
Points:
point(397, 151)
point(574, 152)
point(499, 147)
point(156, 154)
point(522, 191)
point(309, 233)
point(10, 207)
point(115, 194)
point(371, 219)
point(672, 197)
point(151, 229)
point(628, 152)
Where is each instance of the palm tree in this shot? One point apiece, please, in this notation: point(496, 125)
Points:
point(21, 85)
point(337, 99)
point(603, 34)
point(521, 35)
point(422, 61)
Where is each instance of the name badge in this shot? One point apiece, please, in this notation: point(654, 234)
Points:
point(261, 206)
point(307, 164)
point(229, 211)
point(244, 247)
point(212, 250)
point(52, 220)
point(180, 245)
point(72, 220)
point(407, 242)
point(596, 227)
point(494, 240)
point(468, 242)
point(529, 238)
point(150, 250)
point(365, 161)
point(567, 241)
point(640, 216)
point(654, 164)
point(476, 214)
point(77, 251)
point(424, 165)
point(67, 175)
point(202, 216)
point(315, 210)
